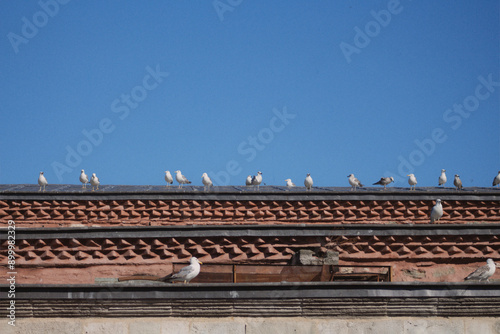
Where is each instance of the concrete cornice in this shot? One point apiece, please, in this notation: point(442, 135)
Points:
point(259, 290)
point(231, 193)
point(210, 231)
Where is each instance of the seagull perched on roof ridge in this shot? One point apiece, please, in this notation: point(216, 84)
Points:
point(457, 182)
point(289, 183)
point(437, 211)
point(483, 272)
point(94, 181)
point(207, 182)
point(84, 179)
point(186, 274)
point(181, 178)
point(257, 179)
point(308, 182)
point(42, 181)
point(168, 178)
point(412, 181)
point(442, 178)
point(354, 182)
point(384, 181)
point(496, 180)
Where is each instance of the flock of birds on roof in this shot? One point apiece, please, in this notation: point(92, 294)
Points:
point(188, 273)
point(256, 180)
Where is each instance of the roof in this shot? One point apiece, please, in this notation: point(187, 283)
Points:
point(61, 191)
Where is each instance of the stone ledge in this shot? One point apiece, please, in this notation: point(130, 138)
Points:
point(276, 307)
point(303, 290)
point(253, 230)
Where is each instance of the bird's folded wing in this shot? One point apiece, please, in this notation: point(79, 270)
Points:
point(478, 272)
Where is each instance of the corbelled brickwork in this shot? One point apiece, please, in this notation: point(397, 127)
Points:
point(60, 213)
point(95, 251)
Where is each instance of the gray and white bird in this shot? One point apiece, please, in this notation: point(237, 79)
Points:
point(308, 182)
point(207, 182)
point(496, 180)
point(181, 178)
point(354, 182)
point(248, 181)
point(257, 179)
point(412, 181)
point(457, 182)
point(289, 183)
point(384, 181)
point(94, 181)
point(442, 178)
point(483, 272)
point(42, 181)
point(186, 274)
point(437, 211)
point(168, 178)
point(84, 179)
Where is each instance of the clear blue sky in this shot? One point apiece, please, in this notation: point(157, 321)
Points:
point(129, 89)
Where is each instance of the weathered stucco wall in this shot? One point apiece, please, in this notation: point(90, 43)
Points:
point(407, 325)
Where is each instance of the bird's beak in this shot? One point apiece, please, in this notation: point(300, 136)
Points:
point(200, 262)
point(408, 175)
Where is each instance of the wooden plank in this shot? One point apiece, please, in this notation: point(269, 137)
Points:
point(278, 273)
point(234, 273)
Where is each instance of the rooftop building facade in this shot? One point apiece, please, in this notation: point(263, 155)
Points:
point(286, 243)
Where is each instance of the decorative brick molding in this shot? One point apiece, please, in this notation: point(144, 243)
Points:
point(143, 227)
point(54, 213)
point(95, 251)
point(67, 205)
point(416, 252)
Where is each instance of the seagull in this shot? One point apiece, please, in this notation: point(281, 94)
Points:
point(94, 181)
point(42, 181)
point(384, 181)
point(181, 178)
point(207, 183)
point(289, 183)
point(354, 182)
point(84, 179)
point(248, 181)
point(308, 182)
point(412, 181)
point(457, 182)
point(257, 179)
point(496, 180)
point(484, 272)
point(442, 178)
point(186, 274)
point(437, 211)
point(168, 178)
